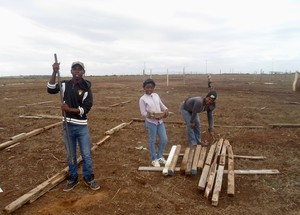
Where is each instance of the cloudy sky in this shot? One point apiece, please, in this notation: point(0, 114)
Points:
point(125, 36)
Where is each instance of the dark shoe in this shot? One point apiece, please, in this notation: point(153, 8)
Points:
point(90, 182)
point(70, 185)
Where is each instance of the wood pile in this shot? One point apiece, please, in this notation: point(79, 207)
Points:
point(210, 163)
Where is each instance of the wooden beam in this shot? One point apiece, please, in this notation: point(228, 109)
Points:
point(185, 160)
point(230, 185)
point(188, 169)
point(196, 160)
point(174, 160)
point(117, 128)
point(219, 177)
point(203, 178)
point(255, 172)
point(213, 169)
point(169, 160)
point(202, 157)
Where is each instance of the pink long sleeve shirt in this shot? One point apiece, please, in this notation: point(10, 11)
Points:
point(149, 104)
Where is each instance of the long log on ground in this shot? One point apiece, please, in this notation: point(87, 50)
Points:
point(169, 160)
point(203, 178)
point(230, 185)
point(184, 160)
point(250, 157)
point(118, 127)
point(27, 135)
point(44, 187)
point(236, 172)
point(241, 126)
point(219, 177)
point(174, 160)
point(285, 125)
point(213, 170)
point(196, 160)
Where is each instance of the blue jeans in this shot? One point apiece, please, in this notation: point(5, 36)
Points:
point(81, 134)
point(194, 135)
point(154, 130)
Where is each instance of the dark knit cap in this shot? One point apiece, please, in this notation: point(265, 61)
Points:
point(212, 94)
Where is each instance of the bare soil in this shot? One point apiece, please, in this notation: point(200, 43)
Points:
point(243, 100)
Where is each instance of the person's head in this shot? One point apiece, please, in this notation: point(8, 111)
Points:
point(149, 86)
point(210, 97)
point(77, 69)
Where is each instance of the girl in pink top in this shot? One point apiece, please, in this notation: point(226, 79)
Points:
point(150, 104)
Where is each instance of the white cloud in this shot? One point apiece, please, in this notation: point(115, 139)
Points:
point(119, 37)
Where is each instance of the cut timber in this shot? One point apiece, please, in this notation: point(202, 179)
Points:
point(213, 170)
point(250, 157)
point(202, 157)
point(184, 160)
point(285, 125)
point(27, 135)
point(155, 169)
point(169, 160)
point(174, 160)
point(230, 186)
point(255, 172)
point(113, 130)
point(188, 169)
point(219, 177)
point(44, 187)
point(203, 178)
point(196, 160)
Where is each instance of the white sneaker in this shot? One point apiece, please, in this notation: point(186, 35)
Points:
point(155, 163)
point(162, 160)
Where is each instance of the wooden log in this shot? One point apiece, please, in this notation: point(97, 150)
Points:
point(174, 160)
point(213, 169)
point(18, 137)
point(241, 126)
point(196, 160)
point(113, 130)
point(219, 177)
point(169, 160)
point(202, 158)
point(250, 157)
point(230, 186)
point(184, 160)
point(203, 178)
point(188, 169)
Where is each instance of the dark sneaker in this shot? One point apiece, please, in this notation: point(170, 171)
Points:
point(70, 185)
point(92, 183)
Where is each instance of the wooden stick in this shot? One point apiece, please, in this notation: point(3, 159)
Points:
point(118, 127)
point(174, 160)
point(285, 125)
point(196, 159)
point(202, 157)
point(188, 169)
point(255, 172)
point(230, 186)
point(169, 160)
point(184, 160)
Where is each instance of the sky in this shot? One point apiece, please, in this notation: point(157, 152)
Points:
point(125, 37)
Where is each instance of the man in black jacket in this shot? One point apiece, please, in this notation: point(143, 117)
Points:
point(77, 102)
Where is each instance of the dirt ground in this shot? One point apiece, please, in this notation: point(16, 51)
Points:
point(243, 100)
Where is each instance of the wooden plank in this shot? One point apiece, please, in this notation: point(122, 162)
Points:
point(202, 157)
point(169, 160)
point(184, 160)
point(203, 178)
point(174, 160)
point(255, 172)
point(188, 169)
point(155, 169)
point(219, 177)
point(213, 169)
point(230, 185)
point(117, 128)
point(196, 160)
point(250, 157)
